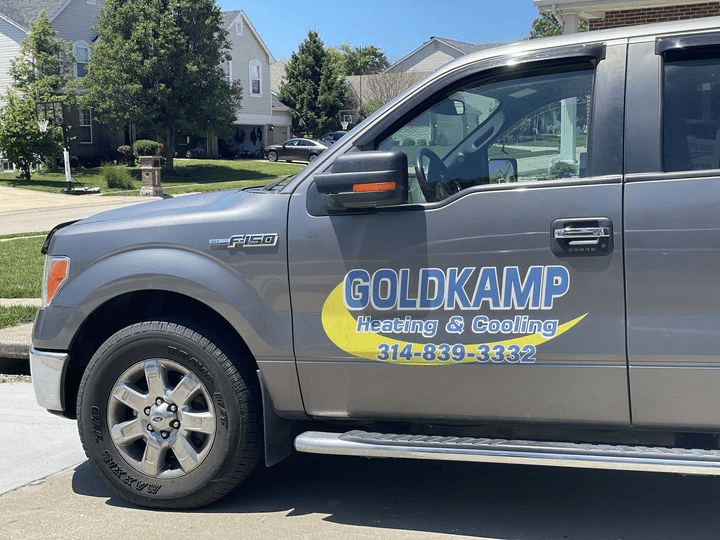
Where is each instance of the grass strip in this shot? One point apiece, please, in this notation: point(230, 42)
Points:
point(14, 315)
point(22, 268)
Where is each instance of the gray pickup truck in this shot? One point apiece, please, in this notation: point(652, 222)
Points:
point(516, 261)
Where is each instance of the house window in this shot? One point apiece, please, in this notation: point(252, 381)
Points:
point(227, 68)
point(238, 27)
point(85, 126)
point(81, 51)
point(255, 78)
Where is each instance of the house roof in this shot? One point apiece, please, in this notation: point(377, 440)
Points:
point(24, 12)
point(228, 18)
point(461, 47)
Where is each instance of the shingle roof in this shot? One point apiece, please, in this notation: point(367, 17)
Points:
point(24, 12)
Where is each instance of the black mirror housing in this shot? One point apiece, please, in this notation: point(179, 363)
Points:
point(365, 180)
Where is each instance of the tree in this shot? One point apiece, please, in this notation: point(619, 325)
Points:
point(546, 25)
point(313, 88)
point(377, 89)
point(40, 74)
point(21, 140)
point(43, 70)
point(359, 60)
point(160, 65)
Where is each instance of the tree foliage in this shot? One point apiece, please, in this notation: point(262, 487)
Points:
point(40, 74)
point(21, 140)
point(362, 60)
point(546, 25)
point(314, 88)
point(160, 65)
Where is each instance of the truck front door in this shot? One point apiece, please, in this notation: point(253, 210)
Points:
point(496, 292)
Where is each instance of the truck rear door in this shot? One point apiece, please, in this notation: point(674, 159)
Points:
point(673, 230)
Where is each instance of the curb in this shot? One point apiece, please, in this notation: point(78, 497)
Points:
point(15, 341)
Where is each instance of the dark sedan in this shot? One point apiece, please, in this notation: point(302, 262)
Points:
point(296, 150)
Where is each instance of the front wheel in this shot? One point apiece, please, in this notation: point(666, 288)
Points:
point(166, 419)
point(272, 155)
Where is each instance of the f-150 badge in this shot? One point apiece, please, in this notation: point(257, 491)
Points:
point(245, 241)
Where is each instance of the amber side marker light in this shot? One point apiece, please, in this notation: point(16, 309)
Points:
point(56, 272)
point(376, 186)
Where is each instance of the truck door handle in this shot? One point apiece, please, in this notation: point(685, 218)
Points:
point(577, 236)
point(582, 236)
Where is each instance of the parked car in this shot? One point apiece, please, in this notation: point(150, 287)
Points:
point(296, 150)
point(333, 136)
point(516, 262)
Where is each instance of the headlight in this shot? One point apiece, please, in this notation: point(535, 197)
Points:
point(55, 273)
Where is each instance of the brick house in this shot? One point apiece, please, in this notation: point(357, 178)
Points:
point(602, 14)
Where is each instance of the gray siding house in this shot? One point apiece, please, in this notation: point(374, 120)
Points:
point(73, 20)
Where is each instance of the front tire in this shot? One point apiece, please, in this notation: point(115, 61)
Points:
point(272, 155)
point(165, 417)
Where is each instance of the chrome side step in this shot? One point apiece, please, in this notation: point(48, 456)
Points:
point(555, 454)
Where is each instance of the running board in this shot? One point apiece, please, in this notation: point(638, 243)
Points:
point(555, 454)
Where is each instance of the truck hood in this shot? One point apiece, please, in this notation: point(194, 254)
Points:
point(212, 202)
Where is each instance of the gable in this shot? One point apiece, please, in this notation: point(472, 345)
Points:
point(24, 12)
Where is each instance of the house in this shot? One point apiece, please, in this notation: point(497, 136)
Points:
point(433, 54)
point(602, 14)
point(73, 21)
point(258, 121)
point(263, 120)
point(416, 65)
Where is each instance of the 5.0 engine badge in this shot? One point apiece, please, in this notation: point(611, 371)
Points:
point(245, 241)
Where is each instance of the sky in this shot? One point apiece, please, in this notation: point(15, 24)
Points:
point(397, 27)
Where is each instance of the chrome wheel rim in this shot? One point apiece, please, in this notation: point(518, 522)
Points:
point(161, 418)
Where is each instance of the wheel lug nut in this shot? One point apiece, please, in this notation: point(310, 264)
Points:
point(147, 411)
point(176, 424)
point(150, 428)
point(173, 408)
point(159, 401)
point(165, 434)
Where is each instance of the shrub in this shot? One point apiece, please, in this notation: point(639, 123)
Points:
point(145, 147)
point(128, 157)
point(563, 169)
point(408, 142)
point(116, 176)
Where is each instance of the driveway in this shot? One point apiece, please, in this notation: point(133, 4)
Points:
point(25, 210)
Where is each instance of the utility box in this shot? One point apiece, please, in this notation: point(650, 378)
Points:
point(150, 174)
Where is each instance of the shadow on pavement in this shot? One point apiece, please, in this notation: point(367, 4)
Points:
point(470, 499)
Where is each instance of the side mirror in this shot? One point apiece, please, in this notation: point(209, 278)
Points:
point(450, 107)
point(365, 180)
point(503, 170)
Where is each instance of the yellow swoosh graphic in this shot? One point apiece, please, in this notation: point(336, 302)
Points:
point(340, 327)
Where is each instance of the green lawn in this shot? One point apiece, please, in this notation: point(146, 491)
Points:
point(22, 268)
point(189, 175)
point(14, 315)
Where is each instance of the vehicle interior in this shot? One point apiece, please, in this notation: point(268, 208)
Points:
point(528, 129)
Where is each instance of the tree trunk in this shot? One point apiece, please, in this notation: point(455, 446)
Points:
point(169, 148)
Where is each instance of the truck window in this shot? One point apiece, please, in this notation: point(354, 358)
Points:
point(691, 116)
point(527, 129)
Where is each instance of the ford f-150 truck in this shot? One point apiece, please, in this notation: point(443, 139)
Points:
point(515, 261)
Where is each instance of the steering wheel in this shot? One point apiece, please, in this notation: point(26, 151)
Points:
point(435, 185)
